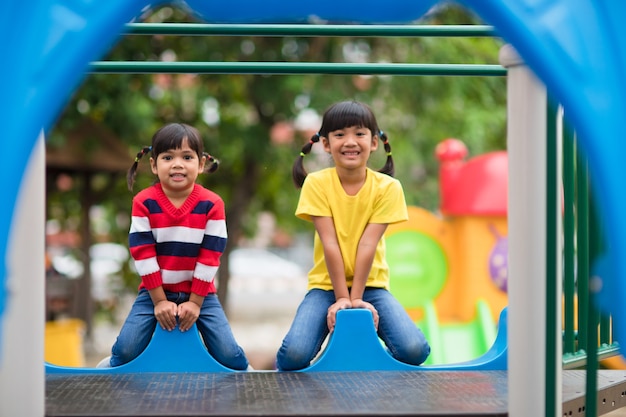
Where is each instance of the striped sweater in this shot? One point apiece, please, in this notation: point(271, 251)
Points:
point(178, 248)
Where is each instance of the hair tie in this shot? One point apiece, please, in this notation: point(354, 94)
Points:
point(302, 154)
point(142, 152)
point(388, 153)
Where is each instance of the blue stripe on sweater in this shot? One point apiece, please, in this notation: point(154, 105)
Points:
point(203, 207)
point(178, 249)
point(140, 238)
point(152, 206)
point(214, 243)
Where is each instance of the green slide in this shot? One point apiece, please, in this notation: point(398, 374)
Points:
point(418, 269)
point(458, 342)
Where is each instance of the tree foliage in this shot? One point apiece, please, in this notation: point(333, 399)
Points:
point(256, 124)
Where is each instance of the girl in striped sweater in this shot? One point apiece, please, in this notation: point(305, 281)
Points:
point(177, 235)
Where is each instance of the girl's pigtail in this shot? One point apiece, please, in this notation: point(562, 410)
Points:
point(297, 171)
point(132, 171)
point(213, 163)
point(388, 169)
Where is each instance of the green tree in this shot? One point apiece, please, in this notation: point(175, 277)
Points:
point(236, 113)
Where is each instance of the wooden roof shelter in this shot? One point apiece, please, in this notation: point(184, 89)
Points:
point(90, 147)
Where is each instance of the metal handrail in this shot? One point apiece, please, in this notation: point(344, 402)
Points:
point(304, 30)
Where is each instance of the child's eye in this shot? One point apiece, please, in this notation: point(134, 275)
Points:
point(188, 157)
point(167, 157)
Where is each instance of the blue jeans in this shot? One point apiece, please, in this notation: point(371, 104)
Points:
point(404, 340)
point(212, 324)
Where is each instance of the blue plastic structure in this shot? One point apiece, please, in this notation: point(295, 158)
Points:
point(355, 346)
point(173, 351)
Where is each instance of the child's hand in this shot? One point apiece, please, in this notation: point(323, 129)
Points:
point(188, 313)
point(358, 303)
point(331, 317)
point(165, 313)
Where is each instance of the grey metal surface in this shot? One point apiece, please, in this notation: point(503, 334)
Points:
point(611, 392)
point(309, 394)
point(279, 394)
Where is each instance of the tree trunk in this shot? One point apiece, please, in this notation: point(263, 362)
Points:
point(235, 212)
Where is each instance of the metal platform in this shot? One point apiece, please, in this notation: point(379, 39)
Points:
point(386, 393)
point(611, 391)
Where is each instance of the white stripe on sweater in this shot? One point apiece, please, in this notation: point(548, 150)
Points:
point(178, 234)
point(174, 277)
point(216, 228)
point(139, 224)
point(205, 272)
point(147, 266)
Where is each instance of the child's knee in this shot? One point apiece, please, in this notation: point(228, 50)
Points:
point(292, 359)
point(413, 353)
point(122, 354)
point(235, 360)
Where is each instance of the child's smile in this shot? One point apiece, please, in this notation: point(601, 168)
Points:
point(178, 170)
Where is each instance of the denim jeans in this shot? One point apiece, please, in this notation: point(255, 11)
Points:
point(404, 340)
point(212, 324)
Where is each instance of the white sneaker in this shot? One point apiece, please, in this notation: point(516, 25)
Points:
point(104, 363)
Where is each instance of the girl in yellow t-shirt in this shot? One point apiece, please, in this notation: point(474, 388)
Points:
point(350, 206)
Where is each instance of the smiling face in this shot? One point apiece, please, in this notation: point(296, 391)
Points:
point(350, 147)
point(177, 170)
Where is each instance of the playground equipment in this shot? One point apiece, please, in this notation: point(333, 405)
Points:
point(353, 346)
point(64, 342)
point(450, 271)
point(173, 351)
point(558, 39)
point(457, 341)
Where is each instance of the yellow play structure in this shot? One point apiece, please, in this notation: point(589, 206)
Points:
point(64, 342)
point(449, 270)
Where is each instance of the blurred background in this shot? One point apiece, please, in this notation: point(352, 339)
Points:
point(255, 125)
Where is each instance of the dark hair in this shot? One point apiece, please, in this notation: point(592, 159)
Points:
point(338, 116)
point(172, 136)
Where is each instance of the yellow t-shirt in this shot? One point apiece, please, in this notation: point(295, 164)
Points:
point(380, 200)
